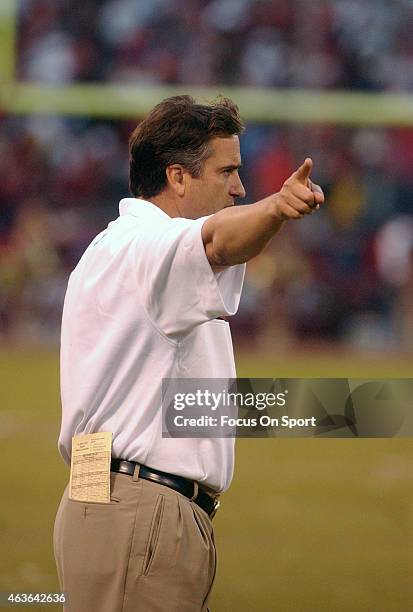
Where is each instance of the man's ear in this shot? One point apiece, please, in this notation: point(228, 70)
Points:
point(175, 176)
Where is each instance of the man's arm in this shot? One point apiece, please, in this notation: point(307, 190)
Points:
point(237, 234)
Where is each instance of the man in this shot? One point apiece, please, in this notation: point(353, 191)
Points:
point(146, 303)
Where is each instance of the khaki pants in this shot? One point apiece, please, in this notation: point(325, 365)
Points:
point(150, 550)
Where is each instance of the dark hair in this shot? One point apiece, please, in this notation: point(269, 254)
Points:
point(177, 131)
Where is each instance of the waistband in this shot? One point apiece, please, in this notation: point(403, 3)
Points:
point(191, 489)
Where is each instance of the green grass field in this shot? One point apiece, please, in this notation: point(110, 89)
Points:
point(309, 525)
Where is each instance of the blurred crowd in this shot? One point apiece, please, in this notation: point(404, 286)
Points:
point(343, 274)
point(337, 44)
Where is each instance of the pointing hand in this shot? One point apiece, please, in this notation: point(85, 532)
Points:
point(299, 196)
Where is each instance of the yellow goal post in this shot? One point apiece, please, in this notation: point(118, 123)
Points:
point(120, 101)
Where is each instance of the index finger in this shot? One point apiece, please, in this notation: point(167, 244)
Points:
point(303, 172)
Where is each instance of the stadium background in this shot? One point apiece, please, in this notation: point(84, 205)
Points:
point(308, 525)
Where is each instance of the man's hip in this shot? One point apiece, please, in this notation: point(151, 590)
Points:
point(150, 549)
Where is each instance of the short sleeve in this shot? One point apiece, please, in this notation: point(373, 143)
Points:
point(175, 280)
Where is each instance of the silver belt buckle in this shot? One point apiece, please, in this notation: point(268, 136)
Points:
point(217, 504)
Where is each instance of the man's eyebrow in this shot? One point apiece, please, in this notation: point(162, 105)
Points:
point(231, 167)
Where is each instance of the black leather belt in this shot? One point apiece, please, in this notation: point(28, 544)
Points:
point(187, 487)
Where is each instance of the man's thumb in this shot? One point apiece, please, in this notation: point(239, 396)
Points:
point(304, 171)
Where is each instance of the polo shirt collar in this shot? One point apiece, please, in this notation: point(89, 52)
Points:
point(135, 207)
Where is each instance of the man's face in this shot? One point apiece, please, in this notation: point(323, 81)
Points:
point(219, 183)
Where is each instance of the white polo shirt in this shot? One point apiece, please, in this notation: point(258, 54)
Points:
point(142, 305)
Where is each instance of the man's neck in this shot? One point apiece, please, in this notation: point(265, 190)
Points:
point(165, 203)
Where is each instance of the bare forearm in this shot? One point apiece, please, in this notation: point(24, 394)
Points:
point(237, 234)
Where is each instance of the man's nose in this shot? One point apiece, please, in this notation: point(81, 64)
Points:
point(238, 190)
